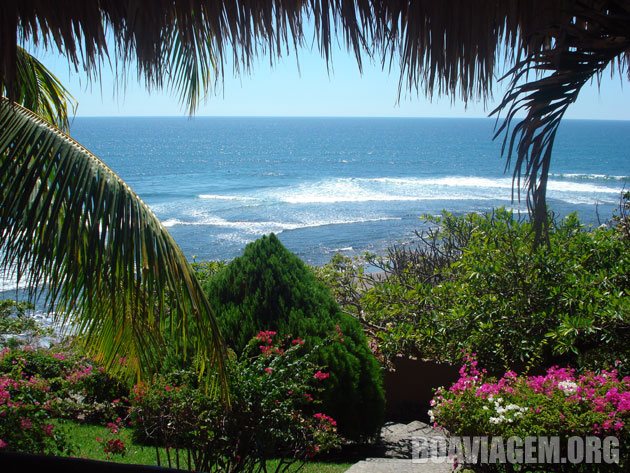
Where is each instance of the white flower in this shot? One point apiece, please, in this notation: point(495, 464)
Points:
point(496, 420)
point(431, 416)
point(567, 387)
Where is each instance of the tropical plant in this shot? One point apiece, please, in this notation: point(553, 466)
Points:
point(269, 288)
point(16, 327)
point(25, 409)
point(183, 45)
point(70, 225)
point(559, 403)
point(274, 413)
point(479, 286)
point(76, 388)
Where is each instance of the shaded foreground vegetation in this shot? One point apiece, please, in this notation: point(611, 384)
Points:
point(476, 284)
point(301, 378)
point(269, 288)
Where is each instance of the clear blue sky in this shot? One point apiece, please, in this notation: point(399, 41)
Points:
point(285, 91)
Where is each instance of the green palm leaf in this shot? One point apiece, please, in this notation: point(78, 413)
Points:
point(37, 89)
point(70, 224)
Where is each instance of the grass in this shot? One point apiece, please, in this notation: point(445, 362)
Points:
point(83, 439)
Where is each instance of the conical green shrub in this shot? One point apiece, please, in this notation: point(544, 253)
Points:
point(269, 288)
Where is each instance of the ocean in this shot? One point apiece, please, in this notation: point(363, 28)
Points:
point(350, 185)
point(327, 185)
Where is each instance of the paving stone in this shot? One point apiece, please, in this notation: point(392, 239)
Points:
point(390, 465)
point(396, 445)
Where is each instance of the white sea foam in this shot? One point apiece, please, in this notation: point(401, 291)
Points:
point(223, 197)
point(370, 190)
point(262, 228)
point(387, 189)
point(8, 282)
point(588, 177)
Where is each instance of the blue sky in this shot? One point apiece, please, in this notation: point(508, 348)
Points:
point(310, 91)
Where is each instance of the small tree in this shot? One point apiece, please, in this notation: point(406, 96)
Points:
point(269, 288)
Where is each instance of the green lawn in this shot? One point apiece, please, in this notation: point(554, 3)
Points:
point(83, 439)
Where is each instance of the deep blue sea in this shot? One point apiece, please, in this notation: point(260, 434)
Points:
point(327, 185)
point(339, 184)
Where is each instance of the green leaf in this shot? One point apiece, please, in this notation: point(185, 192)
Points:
point(70, 225)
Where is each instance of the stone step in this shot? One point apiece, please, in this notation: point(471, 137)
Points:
point(395, 465)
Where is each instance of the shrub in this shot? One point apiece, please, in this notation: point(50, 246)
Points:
point(479, 285)
point(269, 288)
point(16, 327)
point(272, 413)
point(559, 403)
point(26, 424)
point(77, 388)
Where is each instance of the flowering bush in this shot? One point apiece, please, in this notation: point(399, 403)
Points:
point(113, 444)
point(272, 413)
point(559, 403)
point(77, 387)
point(270, 288)
point(25, 417)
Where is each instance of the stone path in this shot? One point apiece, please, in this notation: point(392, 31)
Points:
point(397, 444)
point(397, 465)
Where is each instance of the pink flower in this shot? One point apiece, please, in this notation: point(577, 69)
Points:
point(25, 423)
point(168, 388)
point(268, 370)
point(320, 375)
point(323, 418)
point(312, 450)
point(114, 446)
point(297, 341)
point(48, 430)
point(3, 444)
point(59, 356)
point(308, 397)
point(266, 336)
point(623, 404)
point(78, 375)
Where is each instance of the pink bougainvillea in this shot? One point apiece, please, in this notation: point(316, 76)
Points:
point(559, 402)
point(320, 375)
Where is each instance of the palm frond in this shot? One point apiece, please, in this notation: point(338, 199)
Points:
point(70, 225)
point(37, 89)
point(580, 54)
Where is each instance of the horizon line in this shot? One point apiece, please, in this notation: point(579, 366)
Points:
point(410, 117)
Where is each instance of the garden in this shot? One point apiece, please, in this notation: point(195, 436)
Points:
point(540, 332)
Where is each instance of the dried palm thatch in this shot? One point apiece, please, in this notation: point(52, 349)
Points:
point(441, 46)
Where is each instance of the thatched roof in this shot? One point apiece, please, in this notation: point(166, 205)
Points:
point(442, 46)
